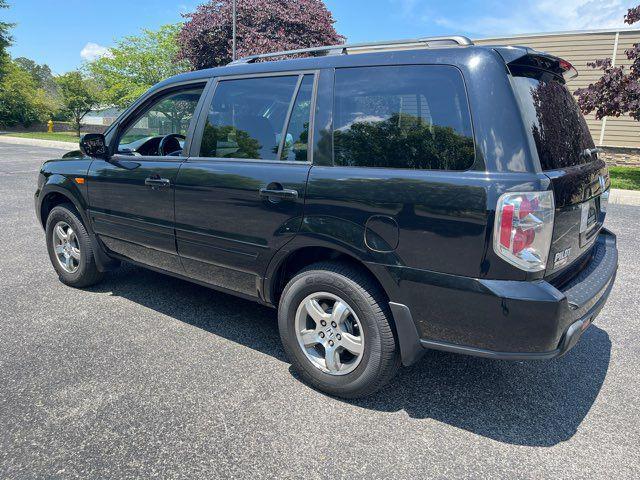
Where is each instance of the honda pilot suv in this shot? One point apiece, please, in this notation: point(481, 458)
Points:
point(386, 198)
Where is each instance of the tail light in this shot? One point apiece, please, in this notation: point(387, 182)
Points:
point(568, 71)
point(523, 229)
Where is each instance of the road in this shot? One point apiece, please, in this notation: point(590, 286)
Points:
point(149, 376)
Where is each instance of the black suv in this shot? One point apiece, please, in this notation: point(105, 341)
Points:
point(386, 198)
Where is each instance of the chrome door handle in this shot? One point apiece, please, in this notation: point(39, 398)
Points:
point(157, 182)
point(284, 193)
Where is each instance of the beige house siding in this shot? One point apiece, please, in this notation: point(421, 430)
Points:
point(579, 48)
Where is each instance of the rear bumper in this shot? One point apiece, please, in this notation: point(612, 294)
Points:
point(503, 319)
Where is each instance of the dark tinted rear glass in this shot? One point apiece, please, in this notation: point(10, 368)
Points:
point(553, 117)
point(402, 117)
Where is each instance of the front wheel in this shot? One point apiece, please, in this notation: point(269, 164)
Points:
point(70, 248)
point(336, 329)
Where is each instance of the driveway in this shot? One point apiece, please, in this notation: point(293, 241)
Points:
point(149, 376)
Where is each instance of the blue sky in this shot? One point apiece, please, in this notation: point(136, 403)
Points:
point(64, 34)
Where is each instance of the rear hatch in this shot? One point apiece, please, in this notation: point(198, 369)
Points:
point(568, 156)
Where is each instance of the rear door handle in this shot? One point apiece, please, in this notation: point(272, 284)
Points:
point(157, 182)
point(284, 193)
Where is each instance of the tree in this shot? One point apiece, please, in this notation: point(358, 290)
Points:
point(79, 95)
point(617, 92)
point(262, 26)
point(5, 36)
point(21, 101)
point(5, 40)
point(136, 63)
point(41, 74)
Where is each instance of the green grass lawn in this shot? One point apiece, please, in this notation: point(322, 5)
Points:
point(58, 136)
point(626, 178)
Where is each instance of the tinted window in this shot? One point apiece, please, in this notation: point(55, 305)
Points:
point(170, 113)
point(402, 117)
point(247, 117)
point(553, 117)
point(297, 138)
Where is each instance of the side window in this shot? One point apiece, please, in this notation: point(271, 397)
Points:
point(247, 117)
point(170, 114)
point(402, 117)
point(297, 138)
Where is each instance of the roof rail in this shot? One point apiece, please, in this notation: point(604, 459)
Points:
point(428, 42)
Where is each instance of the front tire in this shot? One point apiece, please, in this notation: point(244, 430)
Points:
point(336, 329)
point(70, 249)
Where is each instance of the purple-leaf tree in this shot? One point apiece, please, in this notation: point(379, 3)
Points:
point(262, 26)
point(617, 92)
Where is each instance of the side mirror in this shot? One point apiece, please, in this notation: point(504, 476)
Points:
point(94, 145)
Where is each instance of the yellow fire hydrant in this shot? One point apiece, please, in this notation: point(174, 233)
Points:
point(50, 126)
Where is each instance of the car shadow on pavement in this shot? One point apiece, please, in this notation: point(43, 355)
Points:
point(534, 403)
point(241, 321)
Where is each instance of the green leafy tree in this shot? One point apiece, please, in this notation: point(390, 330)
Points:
point(5, 37)
point(22, 102)
point(5, 40)
point(79, 95)
point(41, 74)
point(136, 63)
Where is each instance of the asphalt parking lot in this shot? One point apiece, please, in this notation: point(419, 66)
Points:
point(148, 376)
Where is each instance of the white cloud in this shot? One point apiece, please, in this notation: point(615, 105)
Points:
point(92, 51)
point(502, 17)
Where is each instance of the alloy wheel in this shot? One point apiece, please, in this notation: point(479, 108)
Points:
point(66, 247)
point(329, 333)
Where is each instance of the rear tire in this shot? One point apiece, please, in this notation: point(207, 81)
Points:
point(363, 356)
point(70, 249)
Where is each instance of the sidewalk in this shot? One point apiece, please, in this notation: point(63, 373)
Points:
point(36, 142)
point(624, 197)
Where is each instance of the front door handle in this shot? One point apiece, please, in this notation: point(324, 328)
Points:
point(281, 193)
point(154, 181)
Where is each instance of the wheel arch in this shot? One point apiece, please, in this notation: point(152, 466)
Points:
point(286, 264)
point(53, 195)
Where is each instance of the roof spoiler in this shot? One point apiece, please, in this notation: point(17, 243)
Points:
point(525, 57)
point(425, 42)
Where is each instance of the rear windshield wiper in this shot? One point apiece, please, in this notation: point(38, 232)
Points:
point(589, 152)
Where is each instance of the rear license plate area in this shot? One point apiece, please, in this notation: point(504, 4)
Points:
point(590, 221)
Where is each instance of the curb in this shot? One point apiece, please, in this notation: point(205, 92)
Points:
point(624, 197)
point(36, 142)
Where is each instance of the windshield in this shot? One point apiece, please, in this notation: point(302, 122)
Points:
point(553, 117)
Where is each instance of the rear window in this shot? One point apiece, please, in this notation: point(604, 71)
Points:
point(553, 117)
point(402, 117)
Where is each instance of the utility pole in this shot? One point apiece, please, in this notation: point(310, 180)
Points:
point(233, 41)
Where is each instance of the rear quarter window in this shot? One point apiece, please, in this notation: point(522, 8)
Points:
point(552, 116)
point(414, 116)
